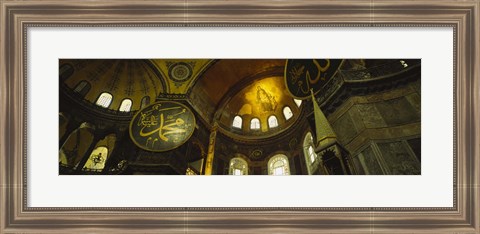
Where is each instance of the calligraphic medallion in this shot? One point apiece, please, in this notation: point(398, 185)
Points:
point(162, 126)
point(302, 75)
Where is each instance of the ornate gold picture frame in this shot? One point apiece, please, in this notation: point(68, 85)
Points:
point(17, 16)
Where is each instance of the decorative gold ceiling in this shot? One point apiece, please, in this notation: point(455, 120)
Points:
point(251, 88)
point(181, 73)
point(123, 78)
point(260, 99)
point(225, 74)
point(134, 78)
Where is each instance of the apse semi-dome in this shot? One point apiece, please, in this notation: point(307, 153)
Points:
point(262, 108)
point(115, 84)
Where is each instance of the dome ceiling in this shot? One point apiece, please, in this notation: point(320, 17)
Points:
point(249, 88)
point(218, 90)
point(132, 79)
point(262, 99)
point(223, 75)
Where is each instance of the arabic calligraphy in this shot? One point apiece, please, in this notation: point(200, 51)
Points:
point(162, 126)
point(302, 75)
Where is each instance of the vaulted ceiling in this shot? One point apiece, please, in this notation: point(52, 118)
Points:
point(132, 79)
point(219, 90)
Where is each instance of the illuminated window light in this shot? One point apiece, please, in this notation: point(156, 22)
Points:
point(126, 105)
point(287, 113)
point(237, 122)
point(104, 100)
point(255, 124)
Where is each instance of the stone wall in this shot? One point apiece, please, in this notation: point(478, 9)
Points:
point(381, 131)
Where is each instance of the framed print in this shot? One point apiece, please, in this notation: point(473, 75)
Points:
point(367, 110)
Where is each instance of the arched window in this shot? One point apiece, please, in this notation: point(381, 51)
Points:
point(145, 101)
point(298, 102)
point(126, 105)
point(272, 121)
point(76, 145)
point(104, 100)
point(82, 88)
point(309, 151)
point(66, 70)
point(278, 165)
point(255, 123)
point(238, 166)
point(96, 161)
point(287, 112)
point(237, 122)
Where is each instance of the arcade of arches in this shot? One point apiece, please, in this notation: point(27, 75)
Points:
point(246, 121)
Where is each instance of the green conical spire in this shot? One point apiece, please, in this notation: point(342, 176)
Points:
point(322, 126)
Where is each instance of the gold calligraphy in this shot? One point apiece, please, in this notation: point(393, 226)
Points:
point(162, 125)
point(165, 127)
point(304, 84)
point(303, 75)
point(320, 69)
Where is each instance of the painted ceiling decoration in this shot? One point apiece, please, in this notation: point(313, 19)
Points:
point(181, 73)
point(212, 93)
point(260, 99)
point(219, 90)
